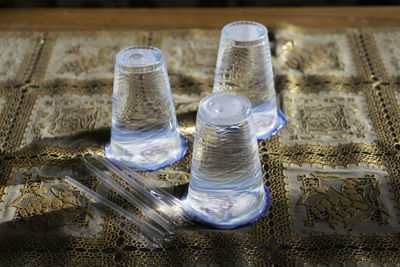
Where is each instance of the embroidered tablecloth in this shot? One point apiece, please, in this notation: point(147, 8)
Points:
point(334, 171)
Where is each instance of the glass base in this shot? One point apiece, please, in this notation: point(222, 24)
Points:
point(280, 122)
point(149, 165)
point(250, 219)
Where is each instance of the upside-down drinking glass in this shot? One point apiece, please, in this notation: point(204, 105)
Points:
point(226, 188)
point(144, 130)
point(244, 66)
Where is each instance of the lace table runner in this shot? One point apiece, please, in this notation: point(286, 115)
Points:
point(334, 171)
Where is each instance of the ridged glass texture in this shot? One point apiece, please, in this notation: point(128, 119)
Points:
point(144, 129)
point(226, 188)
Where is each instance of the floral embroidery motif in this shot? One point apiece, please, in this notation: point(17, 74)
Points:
point(326, 118)
point(341, 201)
point(195, 56)
point(38, 202)
point(390, 51)
point(353, 199)
point(85, 58)
point(317, 119)
point(44, 205)
point(65, 115)
point(78, 61)
point(307, 58)
point(302, 54)
point(72, 120)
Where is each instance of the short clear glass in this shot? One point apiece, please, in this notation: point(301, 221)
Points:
point(144, 129)
point(244, 66)
point(226, 188)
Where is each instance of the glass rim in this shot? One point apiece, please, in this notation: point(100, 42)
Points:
point(140, 68)
point(246, 100)
point(255, 41)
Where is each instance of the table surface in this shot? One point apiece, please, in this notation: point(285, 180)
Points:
point(55, 103)
point(166, 18)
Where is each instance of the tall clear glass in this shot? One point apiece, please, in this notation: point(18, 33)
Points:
point(226, 188)
point(144, 129)
point(244, 66)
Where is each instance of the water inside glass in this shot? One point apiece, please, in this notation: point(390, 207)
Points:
point(144, 129)
point(244, 66)
point(226, 187)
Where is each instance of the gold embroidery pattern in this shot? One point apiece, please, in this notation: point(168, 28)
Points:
point(271, 240)
point(355, 201)
point(44, 210)
point(323, 119)
point(326, 118)
point(84, 57)
point(38, 203)
point(190, 56)
point(68, 114)
point(73, 120)
point(168, 178)
point(2, 195)
point(302, 54)
point(78, 62)
point(313, 57)
point(194, 56)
